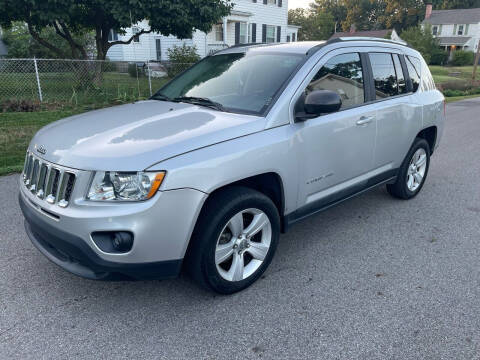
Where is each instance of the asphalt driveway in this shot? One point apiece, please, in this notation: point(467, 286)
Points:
point(373, 278)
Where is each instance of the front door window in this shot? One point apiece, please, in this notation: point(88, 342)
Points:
point(342, 74)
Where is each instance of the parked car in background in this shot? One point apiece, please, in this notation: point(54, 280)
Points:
point(207, 173)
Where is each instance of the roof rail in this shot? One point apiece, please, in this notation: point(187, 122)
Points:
point(363, 38)
point(246, 45)
point(238, 46)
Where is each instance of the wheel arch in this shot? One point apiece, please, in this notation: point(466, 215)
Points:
point(270, 184)
point(430, 135)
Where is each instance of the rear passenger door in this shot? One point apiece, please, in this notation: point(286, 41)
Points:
point(398, 115)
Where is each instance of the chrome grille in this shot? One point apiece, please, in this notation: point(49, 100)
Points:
point(48, 181)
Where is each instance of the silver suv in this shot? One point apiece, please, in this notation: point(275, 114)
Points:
point(207, 173)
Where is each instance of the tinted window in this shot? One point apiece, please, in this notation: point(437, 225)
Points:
point(413, 66)
point(239, 82)
point(402, 85)
point(344, 75)
point(384, 75)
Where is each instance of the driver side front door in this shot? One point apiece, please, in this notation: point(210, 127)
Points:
point(336, 151)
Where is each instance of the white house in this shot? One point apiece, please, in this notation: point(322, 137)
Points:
point(455, 29)
point(250, 21)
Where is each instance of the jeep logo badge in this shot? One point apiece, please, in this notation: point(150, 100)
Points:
point(41, 149)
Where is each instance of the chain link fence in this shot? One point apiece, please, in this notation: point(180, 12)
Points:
point(64, 88)
point(81, 82)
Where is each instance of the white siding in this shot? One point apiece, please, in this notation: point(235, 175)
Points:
point(265, 14)
point(261, 14)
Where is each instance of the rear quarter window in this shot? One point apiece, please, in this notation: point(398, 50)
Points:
point(428, 84)
point(414, 67)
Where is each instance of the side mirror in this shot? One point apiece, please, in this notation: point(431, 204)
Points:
point(319, 102)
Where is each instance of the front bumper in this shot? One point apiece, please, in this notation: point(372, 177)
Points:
point(161, 229)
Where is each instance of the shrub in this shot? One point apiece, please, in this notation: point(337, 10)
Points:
point(439, 57)
point(181, 58)
point(462, 58)
point(15, 105)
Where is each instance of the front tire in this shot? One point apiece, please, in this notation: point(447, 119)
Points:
point(413, 172)
point(234, 240)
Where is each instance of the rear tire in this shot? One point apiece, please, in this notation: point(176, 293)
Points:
point(413, 172)
point(234, 240)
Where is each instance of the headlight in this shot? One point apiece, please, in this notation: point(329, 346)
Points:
point(124, 186)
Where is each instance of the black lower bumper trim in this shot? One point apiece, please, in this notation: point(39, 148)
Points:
point(74, 255)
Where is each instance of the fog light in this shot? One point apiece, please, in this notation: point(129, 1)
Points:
point(122, 241)
point(114, 242)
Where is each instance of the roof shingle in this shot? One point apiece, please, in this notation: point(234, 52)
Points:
point(458, 16)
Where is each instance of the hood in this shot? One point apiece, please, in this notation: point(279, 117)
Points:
point(135, 136)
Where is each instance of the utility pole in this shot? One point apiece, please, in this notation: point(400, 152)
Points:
point(477, 59)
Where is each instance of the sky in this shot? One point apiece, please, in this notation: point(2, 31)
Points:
point(292, 4)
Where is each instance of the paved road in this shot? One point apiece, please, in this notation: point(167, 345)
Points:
point(373, 278)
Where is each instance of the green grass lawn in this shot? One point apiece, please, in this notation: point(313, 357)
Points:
point(16, 131)
point(441, 73)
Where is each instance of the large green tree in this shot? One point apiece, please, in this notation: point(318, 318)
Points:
point(402, 14)
point(364, 14)
point(21, 44)
point(336, 8)
point(314, 25)
point(382, 14)
point(66, 17)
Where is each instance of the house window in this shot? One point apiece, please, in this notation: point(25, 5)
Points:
point(435, 30)
point(288, 38)
point(218, 29)
point(243, 33)
point(270, 34)
point(112, 35)
point(136, 30)
point(272, 2)
point(460, 30)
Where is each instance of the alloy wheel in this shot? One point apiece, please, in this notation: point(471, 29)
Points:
point(416, 170)
point(243, 245)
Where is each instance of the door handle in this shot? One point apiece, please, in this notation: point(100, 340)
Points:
point(365, 120)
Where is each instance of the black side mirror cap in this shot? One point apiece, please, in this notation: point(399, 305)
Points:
point(318, 102)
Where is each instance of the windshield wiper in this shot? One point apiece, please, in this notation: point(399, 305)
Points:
point(200, 101)
point(160, 97)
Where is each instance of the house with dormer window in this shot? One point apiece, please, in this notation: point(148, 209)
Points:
point(250, 21)
point(457, 29)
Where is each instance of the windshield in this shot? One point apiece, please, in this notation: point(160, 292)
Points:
point(238, 82)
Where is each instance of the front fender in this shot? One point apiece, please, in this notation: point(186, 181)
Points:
point(212, 167)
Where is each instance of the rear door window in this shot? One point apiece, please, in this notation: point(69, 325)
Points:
point(414, 66)
point(384, 75)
